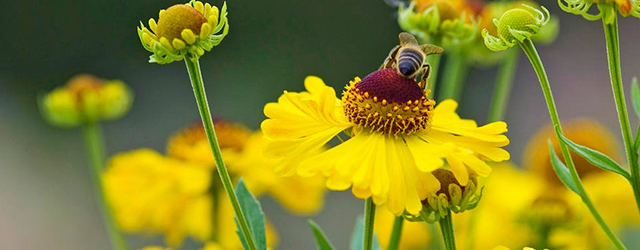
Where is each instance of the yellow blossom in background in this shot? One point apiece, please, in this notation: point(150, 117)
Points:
point(155, 248)
point(398, 137)
point(532, 207)
point(506, 248)
point(415, 235)
point(155, 194)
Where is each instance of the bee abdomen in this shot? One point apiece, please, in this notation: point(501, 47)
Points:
point(409, 61)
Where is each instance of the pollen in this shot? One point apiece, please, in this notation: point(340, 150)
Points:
point(387, 103)
point(177, 18)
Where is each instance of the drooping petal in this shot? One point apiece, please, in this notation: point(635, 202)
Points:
point(303, 122)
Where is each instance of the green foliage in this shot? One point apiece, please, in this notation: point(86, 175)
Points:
point(596, 158)
point(255, 217)
point(561, 170)
point(635, 96)
point(321, 239)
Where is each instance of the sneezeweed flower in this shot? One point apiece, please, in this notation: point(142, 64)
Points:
point(86, 99)
point(451, 21)
point(506, 248)
point(606, 8)
point(452, 196)
point(477, 50)
point(398, 137)
point(184, 29)
point(515, 26)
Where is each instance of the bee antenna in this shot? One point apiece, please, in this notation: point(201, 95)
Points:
point(395, 3)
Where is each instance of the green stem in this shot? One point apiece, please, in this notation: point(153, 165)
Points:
point(530, 50)
point(446, 226)
point(434, 62)
point(95, 150)
point(455, 73)
point(613, 54)
point(369, 217)
point(193, 67)
point(396, 233)
point(502, 89)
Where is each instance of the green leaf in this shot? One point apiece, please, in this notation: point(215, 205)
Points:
point(561, 170)
point(321, 239)
point(357, 237)
point(254, 216)
point(635, 95)
point(596, 158)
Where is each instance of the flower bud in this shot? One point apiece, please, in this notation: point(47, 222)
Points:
point(515, 26)
point(449, 20)
point(86, 99)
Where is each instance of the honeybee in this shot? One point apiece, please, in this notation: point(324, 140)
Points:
point(408, 58)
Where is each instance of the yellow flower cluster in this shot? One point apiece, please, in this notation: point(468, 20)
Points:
point(86, 99)
point(176, 196)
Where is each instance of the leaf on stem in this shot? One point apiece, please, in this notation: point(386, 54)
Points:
point(357, 237)
point(321, 239)
point(596, 158)
point(561, 170)
point(254, 215)
point(635, 95)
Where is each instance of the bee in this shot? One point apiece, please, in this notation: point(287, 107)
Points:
point(408, 58)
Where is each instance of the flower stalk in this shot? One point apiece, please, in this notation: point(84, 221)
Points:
point(530, 50)
point(446, 226)
point(434, 62)
point(369, 217)
point(504, 82)
point(95, 151)
point(454, 75)
point(613, 56)
point(193, 68)
point(396, 233)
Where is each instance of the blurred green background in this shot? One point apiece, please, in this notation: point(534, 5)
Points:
point(45, 196)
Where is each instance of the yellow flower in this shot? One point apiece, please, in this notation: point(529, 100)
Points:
point(506, 248)
point(242, 152)
point(415, 235)
point(86, 99)
point(184, 30)
point(155, 248)
point(398, 138)
point(151, 193)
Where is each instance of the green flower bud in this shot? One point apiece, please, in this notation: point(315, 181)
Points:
point(515, 26)
point(606, 8)
point(86, 99)
point(450, 21)
point(452, 196)
point(184, 30)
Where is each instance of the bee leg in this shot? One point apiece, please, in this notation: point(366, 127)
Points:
point(391, 58)
point(426, 69)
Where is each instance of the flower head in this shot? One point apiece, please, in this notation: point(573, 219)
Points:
point(450, 20)
point(86, 99)
point(398, 137)
point(184, 30)
point(515, 26)
point(606, 8)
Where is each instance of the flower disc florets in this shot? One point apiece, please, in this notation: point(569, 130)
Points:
point(515, 26)
point(184, 29)
point(384, 102)
point(452, 196)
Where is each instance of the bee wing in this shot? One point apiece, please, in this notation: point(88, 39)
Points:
point(391, 58)
point(430, 49)
point(406, 38)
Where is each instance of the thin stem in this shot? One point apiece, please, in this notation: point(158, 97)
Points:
point(193, 67)
point(95, 150)
point(369, 216)
point(455, 73)
point(434, 62)
point(613, 54)
point(502, 89)
point(396, 233)
point(530, 50)
point(446, 226)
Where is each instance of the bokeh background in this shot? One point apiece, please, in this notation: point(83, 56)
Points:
point(45, 197)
